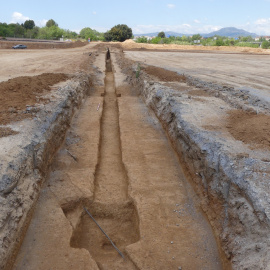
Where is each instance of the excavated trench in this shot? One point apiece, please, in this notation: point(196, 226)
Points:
point(112, 207)
point(131, 182)
point(140, 198)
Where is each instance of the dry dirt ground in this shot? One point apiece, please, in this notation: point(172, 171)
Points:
point(117, 161)
point(239, 70)
point(15, 63)
point(246, 73)
point(26, 75)
point(223, 109)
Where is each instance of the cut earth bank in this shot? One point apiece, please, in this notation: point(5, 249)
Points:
point(212, 161)
point(44, 113)
point(218, 123)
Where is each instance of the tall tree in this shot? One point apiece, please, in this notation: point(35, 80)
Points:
point(161, 34)
point(51, 23)
point(18, 30)
point(119, 32)
point(29, 24)
point(87, 32)
point(196, 37)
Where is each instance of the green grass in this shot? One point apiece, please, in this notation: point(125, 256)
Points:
point(180, 42)
point(246, 44)
point(138, 70)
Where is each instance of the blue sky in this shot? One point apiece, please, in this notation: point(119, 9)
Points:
point(143, 16)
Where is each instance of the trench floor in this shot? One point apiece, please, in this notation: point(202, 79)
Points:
point(127, 175)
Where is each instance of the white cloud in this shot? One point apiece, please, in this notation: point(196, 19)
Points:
point(204, 29)
point(76, 30)
point(18, 17)
point(171, 6)
point(41, 23)
point(101, 29)
point(94, 12)
point(262, 21)
point(197, 21)
point(260, 26)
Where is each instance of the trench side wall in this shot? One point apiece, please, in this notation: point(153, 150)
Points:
point(240, 226)
point(18, 200)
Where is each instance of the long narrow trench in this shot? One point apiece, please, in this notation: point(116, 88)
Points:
point(164, 231)
point(111, 183)
point(112, 207)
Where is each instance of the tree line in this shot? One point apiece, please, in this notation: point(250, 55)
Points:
point(248, 41)
point(52, 31)
point(28, 29)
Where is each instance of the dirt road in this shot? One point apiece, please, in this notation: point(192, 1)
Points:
point(15, 63)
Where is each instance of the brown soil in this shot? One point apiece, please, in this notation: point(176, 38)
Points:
point(250, 128)
point(164, 75)
point(16, 93)
point(4, 132)
point(42, 45)
point(198, 93)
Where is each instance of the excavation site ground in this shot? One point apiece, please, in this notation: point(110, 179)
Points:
point(130, 156)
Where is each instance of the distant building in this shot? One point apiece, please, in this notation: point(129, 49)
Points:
point(262, 37)
point(147, 37)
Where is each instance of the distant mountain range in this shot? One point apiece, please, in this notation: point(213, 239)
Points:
point(169, 33)
point(230, 32)
point(226, 32)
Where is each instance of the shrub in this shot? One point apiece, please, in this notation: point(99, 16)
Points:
point(166, 40)
point(219, 42)
point(141, 40)
point(138, 70)
point(181, 42)
point(247, 44)
point(265, 44)
point(156, 40)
